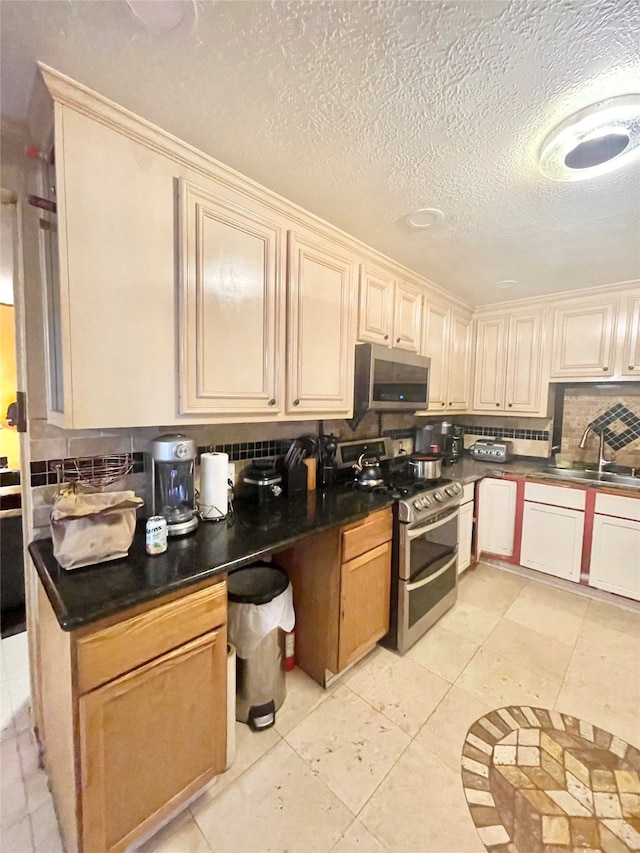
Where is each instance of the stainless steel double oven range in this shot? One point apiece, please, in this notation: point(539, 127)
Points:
point(424, 579)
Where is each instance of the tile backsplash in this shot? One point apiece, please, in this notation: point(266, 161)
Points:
point(616, 411)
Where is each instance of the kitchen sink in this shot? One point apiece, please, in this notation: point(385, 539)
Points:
point(586, 475)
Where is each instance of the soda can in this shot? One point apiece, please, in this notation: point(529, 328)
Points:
point(156, 534)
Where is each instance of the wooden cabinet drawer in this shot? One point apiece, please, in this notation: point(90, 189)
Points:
point(376, 529)
point(118, 649)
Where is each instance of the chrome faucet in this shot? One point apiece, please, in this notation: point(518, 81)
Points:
point(600, 433)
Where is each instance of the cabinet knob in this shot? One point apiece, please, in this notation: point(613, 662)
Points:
point(510, 405)
point(443, 403)
point(272, 402)
point(631, 366)
point(397, 340)
point(605, 368)
point(386, 337)
point(498, 405)
point(296, 402)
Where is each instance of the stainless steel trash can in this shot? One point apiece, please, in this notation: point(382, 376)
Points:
point(260, 675)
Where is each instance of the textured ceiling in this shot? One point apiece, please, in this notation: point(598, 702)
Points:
point(364, 111)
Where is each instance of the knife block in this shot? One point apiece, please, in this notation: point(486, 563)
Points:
point(296, 480)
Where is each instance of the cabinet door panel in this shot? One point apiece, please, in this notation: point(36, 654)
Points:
point(364, 603)
point(375, 312)
point(631, 354)
point(436, 347)
point(496, 516)
point(407, 318)
point(459, 362)
point(615, 556)
point(230, 293)
point(490, 365)
point(465, 526)
point(149, 737)
point(321, 336)
point(583, 341)
point(524, 364)
point(552, 540)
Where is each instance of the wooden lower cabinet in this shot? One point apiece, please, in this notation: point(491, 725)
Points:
point(145, 741)
point(342, 606)
point(364, 603)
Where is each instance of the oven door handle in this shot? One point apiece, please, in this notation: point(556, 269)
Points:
point(411, 586)
point(427, 528)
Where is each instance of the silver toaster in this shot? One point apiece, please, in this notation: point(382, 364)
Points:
point(492, 451)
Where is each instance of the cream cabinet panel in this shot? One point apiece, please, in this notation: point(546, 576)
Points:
point(552, 540)
point(496, 516)
point(583, 340)
point(491, 363)
point(465, 526)
point(524, 363)
point(407, 317)
point(459, 363)
point(320, 328)
point(436, 347)
point(631, 353)
point(508, 363)
point(117, 293)
point(230, 294)
point(375, 305)
point(615, 556)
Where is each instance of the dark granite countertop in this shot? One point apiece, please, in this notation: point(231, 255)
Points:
point(468, 470)
point(83, 596)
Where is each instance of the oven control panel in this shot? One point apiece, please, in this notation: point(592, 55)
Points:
point(429, 502)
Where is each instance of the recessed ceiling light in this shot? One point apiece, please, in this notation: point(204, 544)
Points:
point(426, 217)
point(161, 14)
point(593, 141)
point(505, 284)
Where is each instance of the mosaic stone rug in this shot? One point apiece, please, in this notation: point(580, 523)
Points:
point(538, 781)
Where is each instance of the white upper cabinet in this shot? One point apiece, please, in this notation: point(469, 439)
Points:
point(583, 339)
point(407, 317)
point(231, 293)
point(631, 346)
point(375, 306)
point(389, 309)
point(320, 328)
point(447, 342)
point(508, 363)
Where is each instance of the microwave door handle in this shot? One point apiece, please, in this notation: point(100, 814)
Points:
point(427, 528)
point(411, 586)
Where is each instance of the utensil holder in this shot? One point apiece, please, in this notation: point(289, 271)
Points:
point(296, 480)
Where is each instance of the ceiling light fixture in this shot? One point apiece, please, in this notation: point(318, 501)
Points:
point(426, 217)
point(593, 141)
point(161, 14)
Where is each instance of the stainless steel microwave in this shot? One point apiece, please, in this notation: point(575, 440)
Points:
point(390, 380)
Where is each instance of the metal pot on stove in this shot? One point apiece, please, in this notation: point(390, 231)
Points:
point(425, 466)
point(368, 472)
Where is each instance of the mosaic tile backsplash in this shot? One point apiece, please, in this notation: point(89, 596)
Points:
point(618, 414)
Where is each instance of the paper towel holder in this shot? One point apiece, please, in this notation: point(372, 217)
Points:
point(211, 512)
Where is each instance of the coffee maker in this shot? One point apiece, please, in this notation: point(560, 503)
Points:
point(457, 441)
point(441, 438)
point(172, 482)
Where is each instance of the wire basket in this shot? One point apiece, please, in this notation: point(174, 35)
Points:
point(94, 471)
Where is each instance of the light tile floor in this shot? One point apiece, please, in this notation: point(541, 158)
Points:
point(373, 763)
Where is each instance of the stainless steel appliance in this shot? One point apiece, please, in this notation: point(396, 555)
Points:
point(390, 380)
point(437, 438)
point(262, 481)
point(424, 579)
point(491, 451)
point(172, 482)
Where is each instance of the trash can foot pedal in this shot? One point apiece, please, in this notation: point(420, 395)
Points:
point(262, 716)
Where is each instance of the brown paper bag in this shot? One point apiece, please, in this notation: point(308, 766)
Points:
point(88, 529)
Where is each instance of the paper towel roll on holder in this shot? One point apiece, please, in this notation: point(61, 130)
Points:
point(214, 499)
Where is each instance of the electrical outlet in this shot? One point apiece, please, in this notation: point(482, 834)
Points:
point(402, 446)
